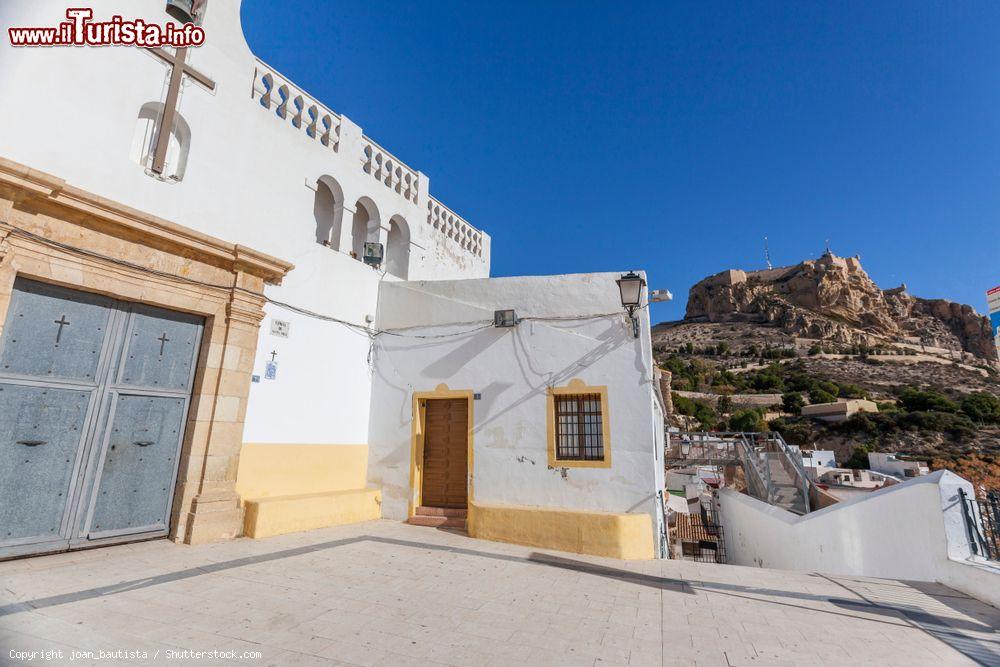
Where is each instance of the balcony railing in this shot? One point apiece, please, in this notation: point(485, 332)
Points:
point(292, 105)
point(389, 170)
point(455, 227)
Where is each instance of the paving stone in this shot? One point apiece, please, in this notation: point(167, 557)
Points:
point(386, 593)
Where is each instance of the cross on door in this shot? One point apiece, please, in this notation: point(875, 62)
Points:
point(62, 322)
point(163, 341)
point(177, 61)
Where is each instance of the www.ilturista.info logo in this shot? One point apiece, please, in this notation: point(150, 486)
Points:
point(80, 30)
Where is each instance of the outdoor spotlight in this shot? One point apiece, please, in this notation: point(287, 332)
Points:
point(630, 285)
point(374, 252)
point(504, 318)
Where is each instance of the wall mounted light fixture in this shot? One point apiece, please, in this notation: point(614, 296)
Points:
point(630, 285)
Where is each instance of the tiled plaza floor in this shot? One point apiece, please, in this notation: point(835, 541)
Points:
point(392, 594)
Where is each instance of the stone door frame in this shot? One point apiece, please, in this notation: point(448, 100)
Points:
point(55, 233)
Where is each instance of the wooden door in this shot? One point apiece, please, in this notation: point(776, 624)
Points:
point(446, 463)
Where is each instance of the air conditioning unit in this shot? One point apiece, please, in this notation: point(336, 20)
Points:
point(373, 253)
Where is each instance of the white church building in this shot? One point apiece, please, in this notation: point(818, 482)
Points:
point(262, 321)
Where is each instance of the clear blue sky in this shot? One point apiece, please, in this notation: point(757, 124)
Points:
point(673, 137)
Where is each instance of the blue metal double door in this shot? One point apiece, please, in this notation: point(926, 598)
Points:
point(94, 395)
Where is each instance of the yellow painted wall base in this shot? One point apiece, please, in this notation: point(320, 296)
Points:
point(278, 469)
point(289, 514)
point(286, 488)
point(626, 536)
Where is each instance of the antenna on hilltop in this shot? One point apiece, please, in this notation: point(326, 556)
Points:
point(828, 251)
point(767, 253)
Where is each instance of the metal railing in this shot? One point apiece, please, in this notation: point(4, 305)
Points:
point(758, 473)
point(749, 450)
point(982, 521)
point(699, 536)
point(692, 447)
point(773, 441)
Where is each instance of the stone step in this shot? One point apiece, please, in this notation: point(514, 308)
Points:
point(437, 521)
point(441, 511)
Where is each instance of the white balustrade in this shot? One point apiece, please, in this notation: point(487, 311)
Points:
point(386, 168)
point(455, 227)
point(291, 104)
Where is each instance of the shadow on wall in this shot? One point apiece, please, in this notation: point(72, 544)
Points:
point(537, 379)
point(560, 377)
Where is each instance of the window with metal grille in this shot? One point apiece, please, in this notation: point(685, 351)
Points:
point(579, 427)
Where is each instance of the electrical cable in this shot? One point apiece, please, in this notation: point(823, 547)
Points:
point(360, 328)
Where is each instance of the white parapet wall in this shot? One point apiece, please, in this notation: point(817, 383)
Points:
point(915, 531)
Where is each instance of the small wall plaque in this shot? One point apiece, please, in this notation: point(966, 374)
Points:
point(255, 378)
point(280, 328)
point(271, 370)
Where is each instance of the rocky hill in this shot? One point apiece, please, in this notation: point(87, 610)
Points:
point(834, 300)
point(822, 330)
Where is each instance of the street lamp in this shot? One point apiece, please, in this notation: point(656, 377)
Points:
point(630, 285)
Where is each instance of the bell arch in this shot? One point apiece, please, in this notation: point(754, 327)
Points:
point(328, 211)
point(397, 251)
point(364, 226)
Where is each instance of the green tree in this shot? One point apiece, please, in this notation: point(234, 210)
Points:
point(859, 458)
point(747, 420)
point(829, 386)
point(767, 381)
point(915, 400)
point(724, 405)
point(702, 412)
point(852, 391)
point(982, 408)
point(792, 402)
point(818, 395)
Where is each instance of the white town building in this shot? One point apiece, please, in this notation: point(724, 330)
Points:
point(219, 358)
point(816, 458)
point(892, 465)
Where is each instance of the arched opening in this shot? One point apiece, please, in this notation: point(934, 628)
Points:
point(365, 226)
point(397, 252)
point(145, 136)
point(328, 210)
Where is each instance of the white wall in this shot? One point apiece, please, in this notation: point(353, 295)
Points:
point(888, 464)
point(512, 369)
point(819, 457)
point(913, 530)
point(251, 178)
